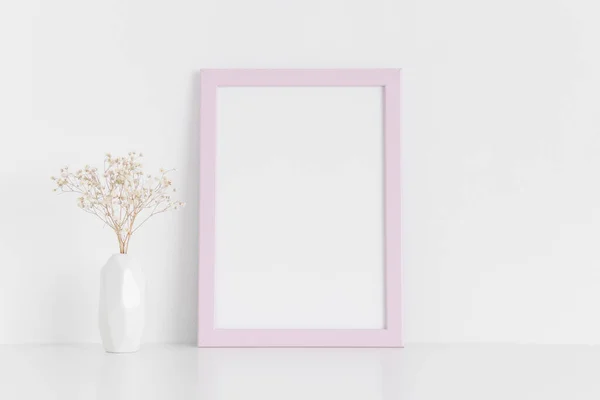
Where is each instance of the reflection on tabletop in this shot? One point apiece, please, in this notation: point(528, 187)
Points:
point(421, 372)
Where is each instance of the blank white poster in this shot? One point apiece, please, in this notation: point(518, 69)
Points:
point(299, 208)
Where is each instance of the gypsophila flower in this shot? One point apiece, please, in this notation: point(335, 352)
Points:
point(121, 195)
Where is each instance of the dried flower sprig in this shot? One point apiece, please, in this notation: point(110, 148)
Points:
point(121, 195)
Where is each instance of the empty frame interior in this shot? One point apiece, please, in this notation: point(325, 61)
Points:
point(299, 211)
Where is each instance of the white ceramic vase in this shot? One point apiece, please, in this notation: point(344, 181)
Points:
point(122, 304)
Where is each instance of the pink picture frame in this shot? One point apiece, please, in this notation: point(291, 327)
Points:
point(391, 335)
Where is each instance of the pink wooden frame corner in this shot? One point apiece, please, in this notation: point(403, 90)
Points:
point(391, 336)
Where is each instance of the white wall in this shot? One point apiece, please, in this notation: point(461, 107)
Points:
point(501, 136)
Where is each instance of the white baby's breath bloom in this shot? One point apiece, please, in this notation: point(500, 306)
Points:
point(121, 195)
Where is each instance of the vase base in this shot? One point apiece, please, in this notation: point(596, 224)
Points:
point(123, 351)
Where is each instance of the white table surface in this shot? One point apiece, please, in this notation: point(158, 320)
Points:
point(423, 372)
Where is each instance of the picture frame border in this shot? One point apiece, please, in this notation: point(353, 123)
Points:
point(391, 335)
